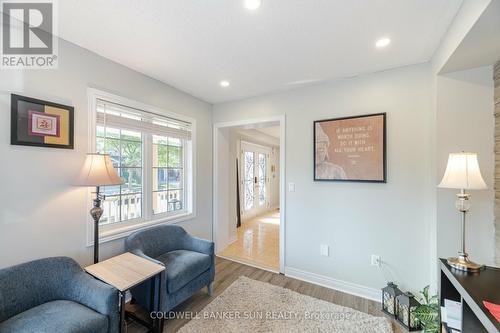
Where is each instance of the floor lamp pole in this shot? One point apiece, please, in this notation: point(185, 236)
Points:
point(96, 213)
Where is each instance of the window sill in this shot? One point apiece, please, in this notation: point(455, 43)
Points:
point(123, 231)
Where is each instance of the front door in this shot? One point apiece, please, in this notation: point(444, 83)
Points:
point(255, 179)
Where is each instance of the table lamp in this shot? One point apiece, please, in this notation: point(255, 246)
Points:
point(98, 171)
point(462, 172)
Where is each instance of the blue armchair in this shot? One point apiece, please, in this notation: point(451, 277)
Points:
point(55, 295)
point(189, 263)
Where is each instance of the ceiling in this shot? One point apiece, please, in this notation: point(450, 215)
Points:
point(274, 131)
point(194, 44)
point(257, 136)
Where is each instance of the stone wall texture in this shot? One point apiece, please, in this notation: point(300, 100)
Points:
point(496, 78)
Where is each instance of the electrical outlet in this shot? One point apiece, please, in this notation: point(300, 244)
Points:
point(291, 187)
point(325, 250)
point(375, 260)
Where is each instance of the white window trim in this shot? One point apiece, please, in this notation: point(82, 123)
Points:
point(120, 230)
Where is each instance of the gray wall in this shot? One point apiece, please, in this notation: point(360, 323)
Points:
point(465, 123)
point(41, 213)
point(392, 220)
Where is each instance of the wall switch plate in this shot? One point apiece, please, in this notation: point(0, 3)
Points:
point(291, 187)
point(375, 260)
point(325, 250)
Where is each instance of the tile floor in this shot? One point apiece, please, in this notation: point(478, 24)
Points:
point(258, 242)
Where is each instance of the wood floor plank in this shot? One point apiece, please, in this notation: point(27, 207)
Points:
point(228, 271)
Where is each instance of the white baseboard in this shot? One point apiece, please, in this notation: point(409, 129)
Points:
point(328, 282)
point(247, 263)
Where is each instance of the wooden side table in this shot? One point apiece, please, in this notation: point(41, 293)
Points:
point(126, 271)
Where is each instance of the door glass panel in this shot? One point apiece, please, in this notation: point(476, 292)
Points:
point(262, 179)
point(249, 180)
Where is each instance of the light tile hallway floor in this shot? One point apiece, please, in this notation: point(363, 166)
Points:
point(258, 242)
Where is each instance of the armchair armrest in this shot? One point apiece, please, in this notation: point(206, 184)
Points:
point(93, 293)
point(198, 245)
point(140, 253)
point(96, 295)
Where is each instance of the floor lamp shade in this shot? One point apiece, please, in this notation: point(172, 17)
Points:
point(98, 171)
point(462, 172)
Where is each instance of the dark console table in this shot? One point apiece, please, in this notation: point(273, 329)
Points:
point(471, 289)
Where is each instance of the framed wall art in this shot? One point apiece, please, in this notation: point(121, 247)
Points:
point(351, 149)
point(40, 123)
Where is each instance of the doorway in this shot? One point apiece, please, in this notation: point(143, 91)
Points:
point(249, 192)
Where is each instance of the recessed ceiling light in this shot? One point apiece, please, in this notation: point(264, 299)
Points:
point(252, 4)
point(224, 84)
point(383, 42)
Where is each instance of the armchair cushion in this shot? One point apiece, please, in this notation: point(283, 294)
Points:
point(183, 266)
point(189, 261)
point(57, 316)
point(45, 283)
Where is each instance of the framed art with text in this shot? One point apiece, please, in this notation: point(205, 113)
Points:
point(40, 123)
point(351, 149)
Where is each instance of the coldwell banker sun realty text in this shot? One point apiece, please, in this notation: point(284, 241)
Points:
point(28, 34)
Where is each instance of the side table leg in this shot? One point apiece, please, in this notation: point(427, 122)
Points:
point(152, 303)
point(160, 321)
point(123, 325)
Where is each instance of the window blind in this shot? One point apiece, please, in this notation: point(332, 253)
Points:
point(112, 114)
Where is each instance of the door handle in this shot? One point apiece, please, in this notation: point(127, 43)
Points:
point(255, 180)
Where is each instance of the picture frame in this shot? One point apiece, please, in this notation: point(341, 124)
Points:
point(351, 149)
point(39, 123)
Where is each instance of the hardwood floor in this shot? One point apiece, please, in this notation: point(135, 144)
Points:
point(228, 271)
point(258, 242)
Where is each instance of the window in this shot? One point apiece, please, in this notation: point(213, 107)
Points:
point(153, 155)
point(123, 202)
point(255, 178)
point(168, 175)
point(262, 178)
point(249, 180)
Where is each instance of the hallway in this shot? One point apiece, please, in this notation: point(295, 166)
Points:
point(257, 242)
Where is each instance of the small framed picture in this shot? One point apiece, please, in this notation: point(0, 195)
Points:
point(40, 123)
point(351, 149)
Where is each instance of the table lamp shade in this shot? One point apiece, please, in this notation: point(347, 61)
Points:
point(462, 172)
point(98, 170)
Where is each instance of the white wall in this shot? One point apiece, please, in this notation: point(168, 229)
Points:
point(226, 228)
point(357, 219)
point(469, 13)
point(459, 102)
point(465, 122)
point(41, 213)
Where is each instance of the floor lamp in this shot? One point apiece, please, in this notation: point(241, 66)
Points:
point(98, 171)
point(462, 173)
